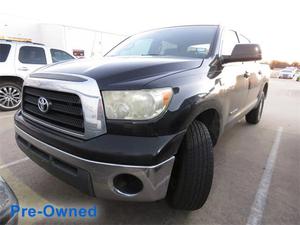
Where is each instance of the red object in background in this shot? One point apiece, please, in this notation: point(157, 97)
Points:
point(78, 53)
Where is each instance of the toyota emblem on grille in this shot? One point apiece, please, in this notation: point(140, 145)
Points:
point(43, 104)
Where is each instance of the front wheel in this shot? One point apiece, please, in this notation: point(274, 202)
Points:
point(10, 96)
point(192, 174)
point(254, 116)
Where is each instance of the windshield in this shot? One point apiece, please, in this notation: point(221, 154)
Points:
point(187, 41)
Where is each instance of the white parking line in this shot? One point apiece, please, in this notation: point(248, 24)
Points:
point(258, 206)
point(7, 116)
point(13, 163)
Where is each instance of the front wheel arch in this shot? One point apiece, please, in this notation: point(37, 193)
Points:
point(12, 79)
point(211, 119)
point(209, 112)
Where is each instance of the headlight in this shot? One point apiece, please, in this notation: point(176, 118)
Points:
point(136, 105)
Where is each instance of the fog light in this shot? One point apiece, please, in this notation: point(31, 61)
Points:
point(127, 184)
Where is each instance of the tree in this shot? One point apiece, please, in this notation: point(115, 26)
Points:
point(296, 64)
point(278, 64)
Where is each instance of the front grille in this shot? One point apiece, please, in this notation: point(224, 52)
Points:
point(65, 111)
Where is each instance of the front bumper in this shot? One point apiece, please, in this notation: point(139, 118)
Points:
point(97, 178)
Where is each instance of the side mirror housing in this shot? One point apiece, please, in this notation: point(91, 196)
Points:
point(243, 53)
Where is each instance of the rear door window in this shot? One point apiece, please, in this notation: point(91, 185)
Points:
point(4, 51)
point(32, 55)
point(59, 55)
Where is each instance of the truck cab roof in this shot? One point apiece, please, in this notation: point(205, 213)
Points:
point(20, 42)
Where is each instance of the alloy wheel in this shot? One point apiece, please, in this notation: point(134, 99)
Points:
point(10, 97)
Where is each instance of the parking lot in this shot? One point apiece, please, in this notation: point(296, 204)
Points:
point(247, 157)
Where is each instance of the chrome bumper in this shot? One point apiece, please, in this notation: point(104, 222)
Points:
point(155, 179)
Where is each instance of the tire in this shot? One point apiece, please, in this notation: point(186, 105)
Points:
point(192, 174)
point(10, 96)
point(254, 116)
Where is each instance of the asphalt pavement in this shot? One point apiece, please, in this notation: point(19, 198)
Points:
point(256, 181)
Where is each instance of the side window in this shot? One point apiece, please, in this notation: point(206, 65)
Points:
point(140, 47)
point(168, 48)
point(230, 39)
point(243, 39)
point(32, 55)
point(59, 55)
point(4, 51)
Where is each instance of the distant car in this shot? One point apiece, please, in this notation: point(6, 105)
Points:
point(17, 59)
point(288, 73)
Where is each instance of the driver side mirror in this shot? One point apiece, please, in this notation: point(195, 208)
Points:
point(243, 53)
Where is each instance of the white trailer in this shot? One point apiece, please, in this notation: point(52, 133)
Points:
point(93, 43)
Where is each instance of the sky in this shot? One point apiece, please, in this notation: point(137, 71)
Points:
point(272, 24)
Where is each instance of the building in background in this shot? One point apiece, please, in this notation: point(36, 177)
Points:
point(80, 42)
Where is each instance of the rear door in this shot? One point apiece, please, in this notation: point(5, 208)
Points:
point(30, 58)
point(232, 79)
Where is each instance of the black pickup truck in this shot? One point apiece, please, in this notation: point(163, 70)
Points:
point(141, 123)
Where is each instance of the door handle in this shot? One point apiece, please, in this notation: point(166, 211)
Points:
point(259, 72)
point(23, 68)
point(246, 74)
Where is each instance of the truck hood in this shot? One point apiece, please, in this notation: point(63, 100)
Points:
point(122, 72)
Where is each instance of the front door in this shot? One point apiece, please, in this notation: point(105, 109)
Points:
point(233, 79)
point(235, 86)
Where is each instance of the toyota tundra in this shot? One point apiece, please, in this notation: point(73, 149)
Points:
point(140, 124)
